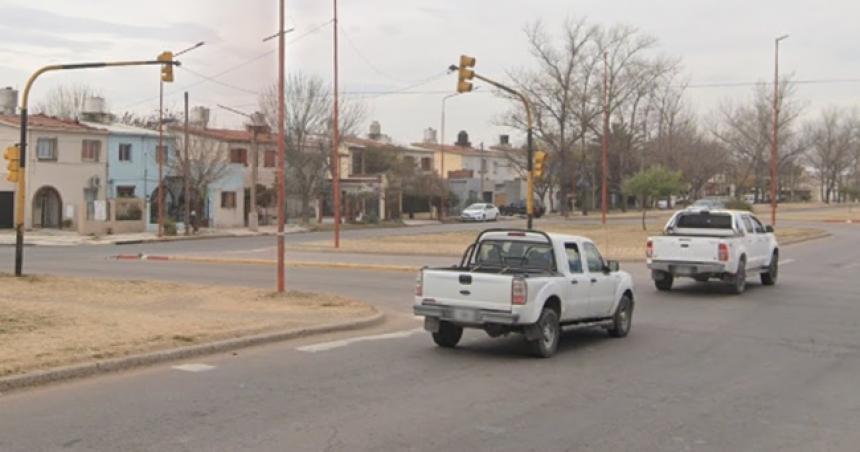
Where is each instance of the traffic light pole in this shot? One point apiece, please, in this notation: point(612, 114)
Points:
point(20, 198)
point(530, 144)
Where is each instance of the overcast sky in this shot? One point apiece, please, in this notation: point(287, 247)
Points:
point(389, 45)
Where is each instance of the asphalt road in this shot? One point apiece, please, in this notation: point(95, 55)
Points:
point(774, 369)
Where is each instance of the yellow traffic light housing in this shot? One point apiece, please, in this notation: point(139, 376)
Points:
point(540, 161)
point(13, 168)
point(167, 68)
point(466, 73)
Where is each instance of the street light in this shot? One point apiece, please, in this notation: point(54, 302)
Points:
point(442, 142)
point(160, 155)
point(774, 148)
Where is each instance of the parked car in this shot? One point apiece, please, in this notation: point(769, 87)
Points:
point(726, 245)
point(529, 282)
point(520, 208)
point(708, 203)
point(480, 212)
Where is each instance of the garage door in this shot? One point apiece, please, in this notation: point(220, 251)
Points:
point(6, 209)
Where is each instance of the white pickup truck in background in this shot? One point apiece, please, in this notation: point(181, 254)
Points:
point(527, 282)
point(722, 244)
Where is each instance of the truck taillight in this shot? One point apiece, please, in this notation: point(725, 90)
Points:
point(419, 284)
point(723, 252)
point(649, 249)
point(519, 291)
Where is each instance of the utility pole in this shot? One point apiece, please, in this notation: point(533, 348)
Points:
point(335, 157)
point(186, 169)
point(20, 197)
point(774, 148)
point(281, 149)
point(604, 194)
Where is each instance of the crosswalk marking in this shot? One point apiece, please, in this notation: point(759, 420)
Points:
point(324, 346)
point(194, 367)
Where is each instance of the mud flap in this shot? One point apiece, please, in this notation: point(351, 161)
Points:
point(431, 324)
point(532, 332)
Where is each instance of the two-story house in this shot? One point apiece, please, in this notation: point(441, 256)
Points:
point(65, 172)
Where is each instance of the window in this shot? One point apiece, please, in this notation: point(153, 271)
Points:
point(125, 191)
point(426, 163)
point(124, 152)
point(595, 260)
point(515, 254)
point(704, 221)
point(269, 159)
point(90, 150)
point(749, 224)
point(228, 199)
point(46, 149)
point(759, 228)
point(574, 260)
point(161, 154)
point(239, 156)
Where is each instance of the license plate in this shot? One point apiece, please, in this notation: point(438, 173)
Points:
point(464, 315)
point(684, 270)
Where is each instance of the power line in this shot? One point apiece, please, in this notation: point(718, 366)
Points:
point(369, 63)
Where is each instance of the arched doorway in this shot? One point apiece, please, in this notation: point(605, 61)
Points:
point(47, 208)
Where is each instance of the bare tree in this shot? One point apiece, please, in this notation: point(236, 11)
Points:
point(207, 163)
point(308, 117)
point(65, 101)
point(831, 141)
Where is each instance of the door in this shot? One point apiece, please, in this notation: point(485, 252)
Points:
point(576, 296)
point(762, 242)
point(7, 208)
point(601, 285)
point(754, 243)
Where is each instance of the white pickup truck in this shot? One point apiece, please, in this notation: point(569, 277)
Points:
point(528, 282)
point(723, 244)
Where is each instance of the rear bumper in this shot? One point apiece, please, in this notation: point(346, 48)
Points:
point(687, 268)
point(472, 316)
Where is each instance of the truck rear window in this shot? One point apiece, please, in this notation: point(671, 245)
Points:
point(514, 254)
point(704, 221)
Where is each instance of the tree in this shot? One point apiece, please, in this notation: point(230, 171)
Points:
point(308, 119)
point(653, 183)
point(831, 142)
point(65, 101)
point(207, 163)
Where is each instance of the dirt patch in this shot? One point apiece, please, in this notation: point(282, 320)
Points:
point(52, 321)
point(624, 242)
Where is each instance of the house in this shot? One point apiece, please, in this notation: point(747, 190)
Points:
point(66, 173)
point(132, 159)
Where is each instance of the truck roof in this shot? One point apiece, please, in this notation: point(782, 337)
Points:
point(716, 211)
point(534, 236)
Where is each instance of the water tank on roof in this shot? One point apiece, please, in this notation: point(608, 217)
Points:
point(94, 104)
point(430, 135)
point(375, 130)
point(199, 117)
point(8, 100)
point(463, 139)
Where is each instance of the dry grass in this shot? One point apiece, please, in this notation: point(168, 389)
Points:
point(841, 213)
point(52, 321)
point(616, 241)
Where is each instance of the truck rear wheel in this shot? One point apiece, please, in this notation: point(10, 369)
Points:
point(665, 282)
point(448, 335)
point(739, 282)
point(547, 344)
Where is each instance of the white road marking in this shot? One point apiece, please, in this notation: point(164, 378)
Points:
point(786, 261)
point(851, 265)
point(324, 346)
point(197, 367)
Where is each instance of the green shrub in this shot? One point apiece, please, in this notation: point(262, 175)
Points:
point(169, 227)
point(738, 204)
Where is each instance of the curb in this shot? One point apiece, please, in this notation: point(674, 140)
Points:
point(291, 264)
point(78, 371)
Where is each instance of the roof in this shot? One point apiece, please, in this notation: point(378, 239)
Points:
point(41, 121)
point(230, 135)
point(121, 129)
point(535, 235)
point(383, 145)
point(492, 151)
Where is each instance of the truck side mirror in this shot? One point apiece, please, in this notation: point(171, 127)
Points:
point(768, 229)
point(611, 267)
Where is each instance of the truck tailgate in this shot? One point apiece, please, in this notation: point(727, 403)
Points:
point(686, 249)
point(465, 289)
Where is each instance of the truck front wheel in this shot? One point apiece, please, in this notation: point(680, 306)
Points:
point(448, 335)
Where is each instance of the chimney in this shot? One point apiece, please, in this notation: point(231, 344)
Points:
point(8, 100)
point(463, 139)
point(504, 140)
point(429, 135)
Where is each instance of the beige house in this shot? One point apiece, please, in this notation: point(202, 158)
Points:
point(66, 173)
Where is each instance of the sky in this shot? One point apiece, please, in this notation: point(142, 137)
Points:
point(404, 47)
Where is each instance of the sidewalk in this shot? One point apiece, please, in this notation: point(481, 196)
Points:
point(47, 237)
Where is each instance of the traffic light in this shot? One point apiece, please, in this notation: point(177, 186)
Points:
point(466, 72)
point(166, 69)
point(540, 160)
point(13, 168)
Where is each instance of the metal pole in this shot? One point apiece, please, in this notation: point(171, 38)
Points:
point(160, 158)
point(774, 149)
point(335, 163)
point(281, 149)
point(530, 166)
point(187, 173)
point(604, 193)
point(252, 221)
point(442, 153)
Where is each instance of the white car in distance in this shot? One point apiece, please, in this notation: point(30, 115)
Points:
point(480, 212)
